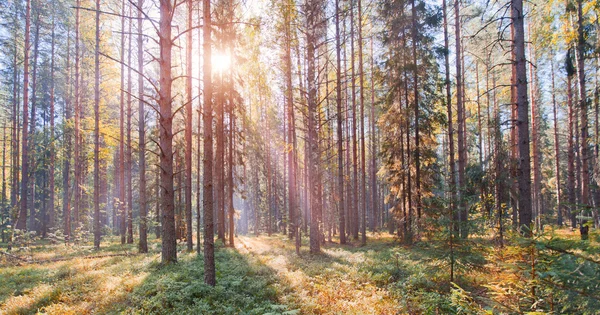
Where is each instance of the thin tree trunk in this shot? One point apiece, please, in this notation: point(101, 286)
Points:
point(122, 205)
point(583, 148)
point(143, 242)
point(97, 232)
point(209, 242)
point(556, 147)
point(128, 153)
point(188, 131)
point(571, 154)
point(340, 153)
point(363, 200)
point(51, 211)
point(77, 149)
point(66, 206)
point(462, 146)
point(21, 223)
point(448, 84)
point(416, 100)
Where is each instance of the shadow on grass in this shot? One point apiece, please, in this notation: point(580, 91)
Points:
point(16, 281)
point(244, 286)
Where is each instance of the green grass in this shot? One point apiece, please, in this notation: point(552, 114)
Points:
point(263, 275)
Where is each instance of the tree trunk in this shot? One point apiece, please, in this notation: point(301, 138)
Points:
point(340, 153)
point(556, 147)
point(583, 148)
point(128, 153)
point(188, 131)
point(571, 154)
point(454, 213)
point(169, 241)
point(77, 149)
point(143, 242)
point(21, 223)
point(97, 232)
point(524, 169)
point(312, 21)
point(209, 242)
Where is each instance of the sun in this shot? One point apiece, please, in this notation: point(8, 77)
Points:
point(221, 62)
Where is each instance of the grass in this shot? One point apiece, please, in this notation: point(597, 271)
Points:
point(261, 275)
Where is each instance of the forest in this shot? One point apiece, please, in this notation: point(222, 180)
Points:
point(300, 157)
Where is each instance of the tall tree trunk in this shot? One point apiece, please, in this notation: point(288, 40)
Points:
point(524, 170)
point(571, 154)
point(361, 76)
point(128, 153)
point(559, 211)
point(66, 206)
point(51, 211)
point(97, 131)
point(460, 111)
point(416, 100)
point(340, 153)
point(167, 198)
point(77, 149)
point(374, 207)
point(313, 10)
point(21, 223)
point(583, 148)
point(122, 205)
point(537, 174)
point(209, 242)
point(452, 185)
point(355, 209)
point(143, 242)
point(188, 131)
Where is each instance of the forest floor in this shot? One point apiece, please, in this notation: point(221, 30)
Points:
point(261, 275)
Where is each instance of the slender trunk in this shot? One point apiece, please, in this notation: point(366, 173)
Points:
point(416, 100)
point(556, 147)
point(143, 242)
point(128, 153)
point(583, 148)
point(355, 201)
point(312, 21)
point(50, 212)
point(448, 84)
point(188, 131)
point(97, 232)
point(340, 153)
point(571, 154)
point(460, 111)
point(77, 149)
point(363, 200)
point(66, 207)
point(374, 208)
point(122, 206)
point(209, 242)
point(21, 223)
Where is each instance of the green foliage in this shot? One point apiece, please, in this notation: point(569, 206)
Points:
point(243, 287)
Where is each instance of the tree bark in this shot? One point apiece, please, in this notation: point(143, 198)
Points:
point(169, 241)
point(209, 242)
point(524, 169)
point(188, 131)
point(21, 223)
point(143, 242)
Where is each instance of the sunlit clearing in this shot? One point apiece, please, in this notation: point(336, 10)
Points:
point(221, 62)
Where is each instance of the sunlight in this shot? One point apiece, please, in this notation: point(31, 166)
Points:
point(221, 62)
